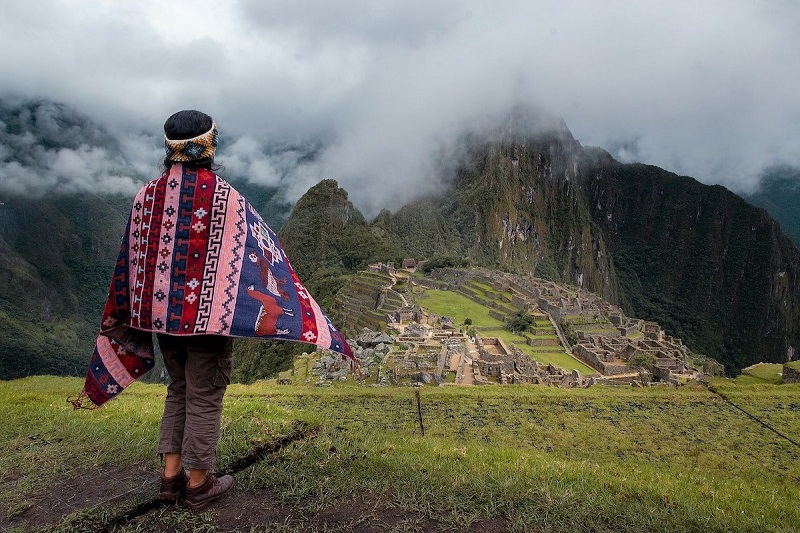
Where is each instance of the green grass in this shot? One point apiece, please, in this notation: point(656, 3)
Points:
point(457, 306)
point(762, 373)
point(537, 459)
point(487, 289)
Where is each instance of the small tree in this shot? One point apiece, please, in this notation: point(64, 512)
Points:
point(519, 322)
point(641, 362)
point(569, 333)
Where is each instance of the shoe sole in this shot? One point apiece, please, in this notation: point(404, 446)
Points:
point(199, 505)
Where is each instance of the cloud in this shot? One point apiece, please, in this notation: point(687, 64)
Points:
point(369, 93)
point(45, 147)
point(68, 171)
point(246, 157)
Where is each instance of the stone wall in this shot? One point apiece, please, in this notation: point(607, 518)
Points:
point(498, 315)
point(519, 301)
point(583, 353)
point(543, 342)
point(628, 329)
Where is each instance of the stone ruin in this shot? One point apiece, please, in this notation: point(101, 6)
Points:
point(605, 338)
point(612, 355)
point(370, 348)
point(791, 373)
point(386, 268)
point(423, 354)
point(330, 367)
point(429, 346)
point(405, 314)
point(508, 365)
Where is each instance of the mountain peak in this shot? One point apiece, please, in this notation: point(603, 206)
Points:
point(325, 230)
point(522, 124)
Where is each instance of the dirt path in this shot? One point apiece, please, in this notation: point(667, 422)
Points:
point(242, 511)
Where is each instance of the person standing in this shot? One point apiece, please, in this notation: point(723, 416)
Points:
point(197, 266)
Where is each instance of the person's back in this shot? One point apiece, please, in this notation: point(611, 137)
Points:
point(197, 266)
point(199, 366)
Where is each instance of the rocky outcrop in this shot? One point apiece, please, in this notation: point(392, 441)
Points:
point(372, 339)
point(791, 372)
point(325, 230)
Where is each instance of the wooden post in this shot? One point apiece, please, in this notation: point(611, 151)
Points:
point(419, 410)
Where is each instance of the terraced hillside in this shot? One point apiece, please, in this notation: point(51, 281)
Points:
point(562, 327)
point(364, 301)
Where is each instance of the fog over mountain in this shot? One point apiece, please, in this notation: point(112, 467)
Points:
point(372, 93)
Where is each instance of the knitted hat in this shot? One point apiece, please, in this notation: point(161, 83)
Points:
point(200, 147)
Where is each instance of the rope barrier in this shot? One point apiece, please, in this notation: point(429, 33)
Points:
point(714, 390)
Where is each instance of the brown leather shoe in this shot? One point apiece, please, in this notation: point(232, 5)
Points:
point(212, 488)
point(173, 487)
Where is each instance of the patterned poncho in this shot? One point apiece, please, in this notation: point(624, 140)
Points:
point(197, 259)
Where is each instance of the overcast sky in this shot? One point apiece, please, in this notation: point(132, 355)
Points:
point(709, 89)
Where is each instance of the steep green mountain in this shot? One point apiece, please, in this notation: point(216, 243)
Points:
point(326, 232)
point(779, 193)
point(514, 205)
point(708, 266)
point(56, 258)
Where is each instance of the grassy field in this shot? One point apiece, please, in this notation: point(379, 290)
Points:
point(457, 306)
point(762, 373)
point(350, 457)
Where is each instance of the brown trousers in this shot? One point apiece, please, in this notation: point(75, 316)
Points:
point(199, 368)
